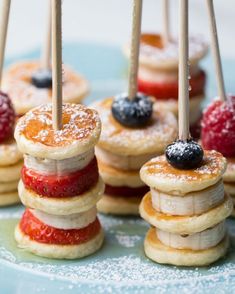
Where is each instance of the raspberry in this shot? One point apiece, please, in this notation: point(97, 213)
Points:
point(7, 117)
point(218, 127)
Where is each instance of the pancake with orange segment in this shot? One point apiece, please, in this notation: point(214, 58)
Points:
point(17, 82)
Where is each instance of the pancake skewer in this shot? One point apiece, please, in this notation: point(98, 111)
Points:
point(215, 50)
point(46, 49)
point(5, 11)
point(188, 225)
point(131, 134)
point(60, 183)
point(166, 22)
point(218, 122)
point(56, 65)
point(10, 157)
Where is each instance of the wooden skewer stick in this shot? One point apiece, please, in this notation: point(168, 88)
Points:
point(166, 22)
point(183, 72)
point(5, 10)
point(46, 49)
point(56, 65)
point(135, 44)
point(215, 50)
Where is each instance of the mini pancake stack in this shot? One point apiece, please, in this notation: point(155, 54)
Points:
point(229, 180)
point(29, 86)
point(158, 74)
point(10, 165)
point(11, 160)
point(218, 133)
point(122, 150)
point(187, 210)
point(60, 183)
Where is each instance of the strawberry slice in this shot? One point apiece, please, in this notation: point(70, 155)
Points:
point(126, 191)
point(56, 186)
point(170, 90)
point(42, 233)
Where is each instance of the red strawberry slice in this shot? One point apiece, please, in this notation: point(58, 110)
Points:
point(55, 186)
point(126, 191)
point(42, 233)
point(170, 90)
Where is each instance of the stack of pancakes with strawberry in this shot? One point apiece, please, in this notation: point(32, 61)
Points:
point(218, 133)
point(158, 74)
point(10, 158)
point(186, 206)
point(131, 135)
point(29, 85)
point(60, 183)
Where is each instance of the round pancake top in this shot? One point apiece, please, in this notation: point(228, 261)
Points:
point(25, 96)
point(154, 54)
point(120, 140)
point(80, 130)
point(159, 174)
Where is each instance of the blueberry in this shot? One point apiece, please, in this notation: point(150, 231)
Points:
point(42, 78)
point(132, 112)
point(184, 154)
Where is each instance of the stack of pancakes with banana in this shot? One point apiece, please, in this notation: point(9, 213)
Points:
point(229, 180)
point(121, 151)
point(25, 95)
point(158, 74)
point(60, 183)
point(11, 161)
point(187, 210)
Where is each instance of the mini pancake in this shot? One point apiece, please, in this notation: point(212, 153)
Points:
point(25, 96)
point(230, 188)
point(155, 55)
point(35, 135)
point(9, 198)
point(161, 253)
point(159, 174)
point(119, 205)
point(126, 163)
point(124, 141)
point(62, 206)
point(59, 251)
point(116, 177)
point(229, 175)
point(10, 173)
point(9, 153)
point(8, 186)
point(185, 224)
point(172, 106)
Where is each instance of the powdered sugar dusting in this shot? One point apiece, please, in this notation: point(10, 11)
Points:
point(79, 123)
point(197, 47)
point(121, 264)
point(213, 166)
point(121, 140)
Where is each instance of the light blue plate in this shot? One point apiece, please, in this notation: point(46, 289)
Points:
point(120, 267)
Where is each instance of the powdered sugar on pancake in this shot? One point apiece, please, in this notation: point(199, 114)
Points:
point(152, 138)
point(79, 123)
point(197, 47)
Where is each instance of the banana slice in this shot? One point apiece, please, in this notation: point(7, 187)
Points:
point(58, 167)
point(199, 241)
point(67, 222)
point(122, 162)
point(191, 204)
